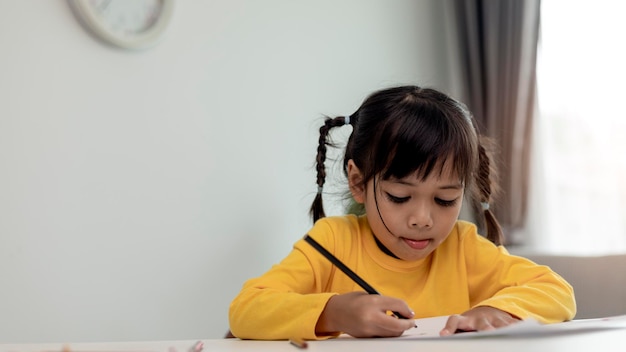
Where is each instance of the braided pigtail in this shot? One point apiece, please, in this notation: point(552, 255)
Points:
point(487, 187)
point(317, 208)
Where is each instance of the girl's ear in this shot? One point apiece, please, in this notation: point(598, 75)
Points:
point(355, 181)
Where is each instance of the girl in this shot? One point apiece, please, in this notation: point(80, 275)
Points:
point(412, 155)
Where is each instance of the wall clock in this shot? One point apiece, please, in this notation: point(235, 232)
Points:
point(128, 24)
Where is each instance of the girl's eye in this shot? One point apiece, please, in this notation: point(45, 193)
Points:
point(445, 203)
point(395, 199)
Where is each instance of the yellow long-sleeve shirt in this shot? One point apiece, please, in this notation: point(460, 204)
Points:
point(465, 271)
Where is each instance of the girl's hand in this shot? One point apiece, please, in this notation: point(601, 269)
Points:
point(363, 315)
point(477, 319)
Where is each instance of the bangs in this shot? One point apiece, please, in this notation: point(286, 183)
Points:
point(424, 140)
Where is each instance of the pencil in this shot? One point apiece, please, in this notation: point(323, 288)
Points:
point(351, 274)
point(299, 343)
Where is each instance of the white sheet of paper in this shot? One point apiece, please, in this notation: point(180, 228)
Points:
point(429, 328)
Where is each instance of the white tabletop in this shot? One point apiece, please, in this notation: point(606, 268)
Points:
point(602, 340)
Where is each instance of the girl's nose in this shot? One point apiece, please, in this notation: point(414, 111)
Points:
point(421, 217)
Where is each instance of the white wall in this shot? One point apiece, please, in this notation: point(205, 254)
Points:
point(139, 190)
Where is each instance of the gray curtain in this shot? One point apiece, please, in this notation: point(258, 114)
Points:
point(496, 43)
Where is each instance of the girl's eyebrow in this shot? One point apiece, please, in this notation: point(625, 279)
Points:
point(448, 186)
point(453, 186)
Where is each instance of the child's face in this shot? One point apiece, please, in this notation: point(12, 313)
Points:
point(418, 215)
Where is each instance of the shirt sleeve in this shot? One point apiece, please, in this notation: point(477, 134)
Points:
point(285, 302)
point(515, 284)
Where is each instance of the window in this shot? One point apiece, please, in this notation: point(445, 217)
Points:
point(578, 204)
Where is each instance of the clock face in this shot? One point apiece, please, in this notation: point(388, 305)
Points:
point(125, 23)
point(128, 18)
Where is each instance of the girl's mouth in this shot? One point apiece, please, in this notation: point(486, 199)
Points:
point(416, 244)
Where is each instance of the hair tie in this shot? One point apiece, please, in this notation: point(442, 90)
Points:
point(485, 205)
point(346, 120)
point(320, 189)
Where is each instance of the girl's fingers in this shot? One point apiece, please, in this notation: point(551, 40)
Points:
point(398, 307)
point(477, 319)
point(452, 325)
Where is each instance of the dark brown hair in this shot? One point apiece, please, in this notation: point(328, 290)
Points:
point(402, 130)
